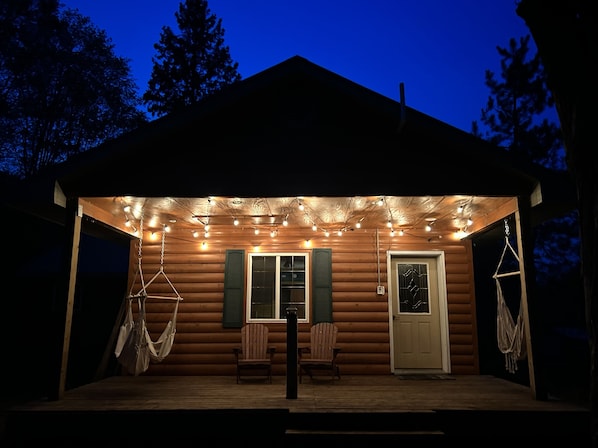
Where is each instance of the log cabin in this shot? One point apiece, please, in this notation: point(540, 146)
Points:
point(298, 190)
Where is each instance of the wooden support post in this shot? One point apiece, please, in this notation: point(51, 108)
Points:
point(63, 308)
point(292, 354)
point(532, 314)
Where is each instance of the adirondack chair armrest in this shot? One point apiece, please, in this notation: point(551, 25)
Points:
point(237, 351)
point(271, 351)
point(301, 350)
point(335, 351)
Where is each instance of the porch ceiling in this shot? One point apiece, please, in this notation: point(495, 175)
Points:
point(409, 214)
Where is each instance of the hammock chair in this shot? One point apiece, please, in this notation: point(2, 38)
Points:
point(134, 346)
point(510, 333)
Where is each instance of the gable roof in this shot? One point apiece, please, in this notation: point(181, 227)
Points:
point(294, 129)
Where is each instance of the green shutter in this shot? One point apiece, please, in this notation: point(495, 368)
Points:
point(321, 302)
point(234, 274)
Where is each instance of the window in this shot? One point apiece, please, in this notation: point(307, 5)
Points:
point(413, 288)
point(277, 282)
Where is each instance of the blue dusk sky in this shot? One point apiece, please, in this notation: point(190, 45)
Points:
point(438, 49)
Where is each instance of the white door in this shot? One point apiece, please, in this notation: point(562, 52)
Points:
point(416, 313)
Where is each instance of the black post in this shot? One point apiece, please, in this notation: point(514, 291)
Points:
point(292, 347)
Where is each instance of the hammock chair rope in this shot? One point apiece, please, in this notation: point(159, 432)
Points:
point(135, 348)
point(510, 333)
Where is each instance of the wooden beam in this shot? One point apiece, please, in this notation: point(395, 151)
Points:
point(63, 310)
point(93, 211)
point(531, 312)
point(497, 214)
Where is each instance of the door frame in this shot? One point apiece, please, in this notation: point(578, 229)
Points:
point(442, 303)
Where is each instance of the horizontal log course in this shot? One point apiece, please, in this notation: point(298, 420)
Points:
point(458, 288)
point(361, 316)
point(456, 298)
point(369, 306)
point(458, 279)
point(461, 328)
point(352, 326)
point(163, 288)
point(465, 370)
point(362, 296)
point(461, 339)
point(338, 277)
point(459, 309)
point(355, 286)
point(462, 360)
point(459, 318)
point(461, 350)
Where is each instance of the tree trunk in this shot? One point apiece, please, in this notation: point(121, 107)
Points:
point(566, 35)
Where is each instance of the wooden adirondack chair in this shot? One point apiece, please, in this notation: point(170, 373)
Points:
point(254, 354)
point(322, 351)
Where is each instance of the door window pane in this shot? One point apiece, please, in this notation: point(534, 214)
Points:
point(412, 279)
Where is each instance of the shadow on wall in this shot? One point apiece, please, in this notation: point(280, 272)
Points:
point(35, 251)
point(565, 347)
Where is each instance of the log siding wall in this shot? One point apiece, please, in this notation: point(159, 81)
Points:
point(203, 347)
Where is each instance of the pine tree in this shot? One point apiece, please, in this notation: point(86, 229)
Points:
point(516, 112)
point(566, 34)
point(516, 118)
point(62, 88)
point(191, 65)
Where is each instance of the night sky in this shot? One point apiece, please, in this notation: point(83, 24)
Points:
point(439, 50)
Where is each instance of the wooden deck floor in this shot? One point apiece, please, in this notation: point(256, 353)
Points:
point(349, 394)
point(194, 408)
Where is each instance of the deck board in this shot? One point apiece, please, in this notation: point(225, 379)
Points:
point(351, 393)
point(377, 406)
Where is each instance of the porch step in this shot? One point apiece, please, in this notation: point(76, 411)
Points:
point(358, 429)
point(298, 438)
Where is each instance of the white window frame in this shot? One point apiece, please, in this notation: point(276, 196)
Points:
point(278, 255)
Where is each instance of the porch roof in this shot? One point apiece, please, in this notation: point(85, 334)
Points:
point(294, 130)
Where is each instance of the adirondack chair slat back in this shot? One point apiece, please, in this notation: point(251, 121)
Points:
point(323, 339)
point(254, 342)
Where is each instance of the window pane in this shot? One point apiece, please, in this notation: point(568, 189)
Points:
point(292, 298)
point(278, 282)
point(263, 278)
point(413, 288)
point(292, 285)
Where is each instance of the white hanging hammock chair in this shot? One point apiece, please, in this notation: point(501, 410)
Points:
point(135, 348)
point(510, 332)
